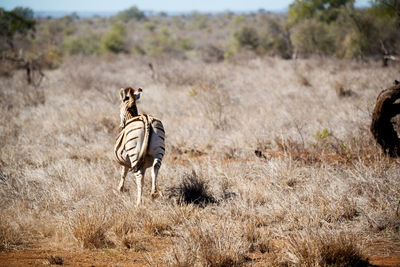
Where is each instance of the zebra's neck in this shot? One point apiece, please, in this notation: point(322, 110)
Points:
point(131, 112)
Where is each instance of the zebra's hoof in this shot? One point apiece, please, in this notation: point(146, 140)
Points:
point(123, 190)
point(155, 195)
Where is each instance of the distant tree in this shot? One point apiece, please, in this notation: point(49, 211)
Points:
point(17, 29)
point(18, 21)
point(131, 13)
point(262, 11)
point(386, 7)
point(369, 32)
point(322, 10)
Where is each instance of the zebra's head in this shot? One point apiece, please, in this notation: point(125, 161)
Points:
point(128, 107)
point(129, 95)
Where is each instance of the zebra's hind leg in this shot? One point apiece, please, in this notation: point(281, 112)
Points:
point(124, 172)
point(139, 183)
point(154, 172)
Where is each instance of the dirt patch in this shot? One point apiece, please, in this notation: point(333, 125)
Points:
point(381, 254)
point(71, 258)
point(384, 253)
point(152, 254)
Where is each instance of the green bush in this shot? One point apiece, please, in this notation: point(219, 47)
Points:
point(52, 57)
point(87, 45)
point(247, 37)
point(275, 45)
point(199, 21)
point(150, 26)
point(312, 36)
point(114, 40)
point(275, 37)
point(165, 42)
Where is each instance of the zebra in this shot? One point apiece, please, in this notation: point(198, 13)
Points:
point(140, 144)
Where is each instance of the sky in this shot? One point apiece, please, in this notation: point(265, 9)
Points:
point(153, 5)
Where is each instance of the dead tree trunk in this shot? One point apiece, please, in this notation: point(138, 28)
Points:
point(382, 128)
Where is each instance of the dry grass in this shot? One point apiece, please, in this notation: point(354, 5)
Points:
point(209, 244)
point(326, 249)
point(90, 226)
point(315, 191)
point(10, 237)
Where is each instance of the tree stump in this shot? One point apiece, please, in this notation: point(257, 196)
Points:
point(382, 128)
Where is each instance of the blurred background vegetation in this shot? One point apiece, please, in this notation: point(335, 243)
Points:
point(327, 28)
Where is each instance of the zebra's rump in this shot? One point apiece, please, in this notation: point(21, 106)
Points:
point(141, 134)
point(119, 150)
point(131, 142)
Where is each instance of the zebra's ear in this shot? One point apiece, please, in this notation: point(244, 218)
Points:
point(138, 93)
point(122, 94)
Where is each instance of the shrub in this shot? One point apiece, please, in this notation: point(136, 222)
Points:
point(312, 36)
point(114, 40)
point(87, 45)
point(276, 38)
point(52, 58)
point(247, 37)
point(164, 42)
point(192, 190)
point(212, 53)
point(200, 21)
point(150, 26)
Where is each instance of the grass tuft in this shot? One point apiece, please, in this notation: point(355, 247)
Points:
point(56, 260)
point(89, 228)
point(10, 237)
point(327, 250)
point(192, 189)
point(207, 244)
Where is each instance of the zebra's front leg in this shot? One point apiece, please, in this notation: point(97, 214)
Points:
point(154, 174)
point(124, 172)
point(139, 183)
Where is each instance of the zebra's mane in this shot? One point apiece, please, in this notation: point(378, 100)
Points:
point(129, 110)
point(132, 111)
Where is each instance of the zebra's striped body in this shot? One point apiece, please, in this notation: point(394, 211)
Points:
point(140, 144)
point(141, 139)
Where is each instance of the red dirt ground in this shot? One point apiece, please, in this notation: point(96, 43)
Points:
point(153, 254)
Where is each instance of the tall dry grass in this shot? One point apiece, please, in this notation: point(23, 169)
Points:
point(318, 191)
